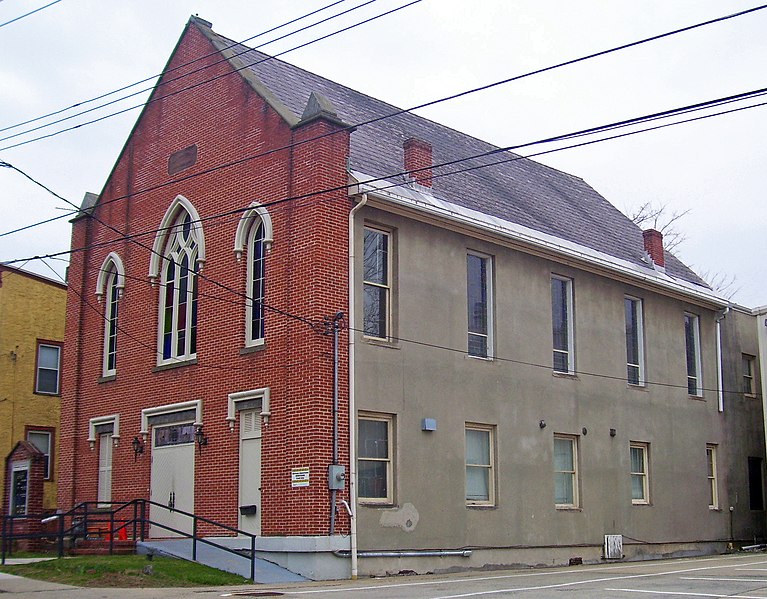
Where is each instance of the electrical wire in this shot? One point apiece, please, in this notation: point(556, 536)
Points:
point(454, 96)
point(213, 79)
point(436, 167)
point(402, 111)
point(499, 358)
point(29, 13)
point(181, 66)
point(198, 274)
point(174, 79)
point(154, 350)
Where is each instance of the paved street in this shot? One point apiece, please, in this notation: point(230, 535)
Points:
point(742, 576)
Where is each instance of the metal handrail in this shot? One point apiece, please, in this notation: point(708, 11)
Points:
point(80, 516)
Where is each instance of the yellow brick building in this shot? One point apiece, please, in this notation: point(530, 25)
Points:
point(32, 315)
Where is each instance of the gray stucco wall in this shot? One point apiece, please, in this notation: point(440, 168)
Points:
point(518, 389)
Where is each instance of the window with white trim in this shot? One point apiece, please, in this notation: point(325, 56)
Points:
point(109, 287)
point(375, 463)
point(692, 351)
point(562, 324)
point(713, 491)
point(48, 372)
point(640, 478)
point(748, 374)
point(634, 341)
point(479, 302)
point(254, 306)
point(566, 471)
point(178, 289)
point(112, 296)
point(43, 441)
point(376, 276)
point(480, 475)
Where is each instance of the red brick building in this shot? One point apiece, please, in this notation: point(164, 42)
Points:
point(187, 229)
point(255, 207)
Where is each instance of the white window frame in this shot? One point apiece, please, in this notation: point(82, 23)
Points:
point(640, 366)
point(570, 329)
point(574, 473)
point(386, 286)
point(49, 454)
point(38, 368)
point(389, 459)
point(644, 474)
point(696, 378)
point(749, 364)
point(489, 466)
point(110, 285)
point(490, 299)
point(711, 475)
point(256, 216)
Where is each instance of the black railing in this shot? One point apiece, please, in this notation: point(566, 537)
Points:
point(112, 519)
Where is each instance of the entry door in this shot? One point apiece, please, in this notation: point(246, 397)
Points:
point(105, 470)
point(172, 480)
point(250, 471)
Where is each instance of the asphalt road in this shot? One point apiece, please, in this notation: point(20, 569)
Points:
point(743, 576)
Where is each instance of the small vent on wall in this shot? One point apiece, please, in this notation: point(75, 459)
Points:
point(613, 546)
point(182, 160)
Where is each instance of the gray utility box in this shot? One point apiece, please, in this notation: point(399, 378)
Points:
point(336, 477)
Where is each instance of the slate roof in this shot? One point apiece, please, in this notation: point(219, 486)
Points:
point(522, 191)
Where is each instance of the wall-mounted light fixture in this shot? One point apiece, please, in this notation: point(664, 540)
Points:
point(613, 432)
point(138, 447)
point(542, 424)
point(199, 437)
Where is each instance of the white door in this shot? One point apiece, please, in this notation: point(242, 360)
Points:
point(172, 479)
point(250, 471)
point(105, 469)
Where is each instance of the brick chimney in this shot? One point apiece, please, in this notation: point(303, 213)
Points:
point(653, 245)
point(418, 156)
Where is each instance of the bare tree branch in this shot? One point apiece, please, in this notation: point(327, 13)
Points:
point(648, 215)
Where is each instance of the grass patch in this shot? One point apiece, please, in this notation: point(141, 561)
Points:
point(124, 571)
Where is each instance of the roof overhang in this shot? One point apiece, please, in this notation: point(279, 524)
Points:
point(418, 201)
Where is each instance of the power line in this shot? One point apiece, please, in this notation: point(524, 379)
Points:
point(548, 366)
point(413, 108)
point(181, 66)
point(495, 151)
point(153, 251)
point(174, 79)
point(29, 13)
point(205, 82)
point(442, 347)
point(155, 351)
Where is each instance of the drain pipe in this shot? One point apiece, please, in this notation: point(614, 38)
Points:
point(719, 375)
point(352, 407)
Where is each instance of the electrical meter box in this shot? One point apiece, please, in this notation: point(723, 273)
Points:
point(336, 477)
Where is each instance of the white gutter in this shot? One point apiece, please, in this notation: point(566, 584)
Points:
point(761, 335)
point(352, 479)
point(719, 358)
point(419, 198)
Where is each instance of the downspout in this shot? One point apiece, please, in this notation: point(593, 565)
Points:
point(719, 358)
point(352, 409)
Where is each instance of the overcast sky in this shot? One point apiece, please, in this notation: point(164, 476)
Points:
point(715, 168)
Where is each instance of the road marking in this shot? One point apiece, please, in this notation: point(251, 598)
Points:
point(722, 579)
point(685, 594)
point(453, 581)
point(752, 569)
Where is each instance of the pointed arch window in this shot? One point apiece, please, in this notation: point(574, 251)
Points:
point(180, 242)
point(109, 287)
point(254, 238)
